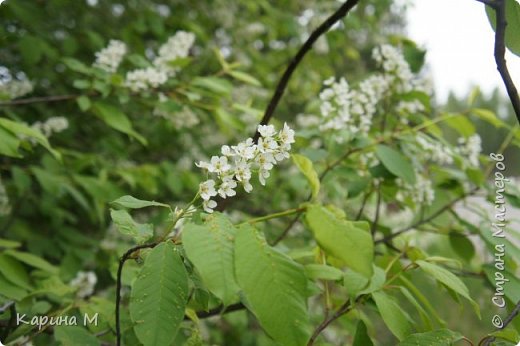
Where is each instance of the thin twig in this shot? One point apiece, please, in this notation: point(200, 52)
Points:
point(428, 219)
point(39, 99)
point(122, 261)
point(307, 46)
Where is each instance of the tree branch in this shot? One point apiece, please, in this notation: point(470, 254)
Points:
point(489, 339)
point(307, 46)
point(426, 220)
point(500, 50)
point(39, 99)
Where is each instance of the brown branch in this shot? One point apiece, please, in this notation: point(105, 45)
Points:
point(307, 46)
point(40, 99)
point(500, 50)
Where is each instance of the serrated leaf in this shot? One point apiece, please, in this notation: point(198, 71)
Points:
point(116, 119)
point(449, 279)
point(210, 248)
point(348, 241)
point(131, 202)
point(74, 336)
point(275, 288)
point(396, 163)
point(440, 337)
point(126, 225)
point(392, 314)
point(307, 168)
point(159, 296)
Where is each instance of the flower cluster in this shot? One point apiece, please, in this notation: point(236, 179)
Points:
point(351, 110)
point(185, 118)
point(109, 58)
point(238, 162)
point(421, 193)
point(432, 150)
point(470, 148)
point(176, 47)
point(85, 283)
point(145, 78)
point(11, 88)
point(51, 125)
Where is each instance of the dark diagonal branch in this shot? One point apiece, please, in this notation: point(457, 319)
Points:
point(307, 46)
point(499, 6)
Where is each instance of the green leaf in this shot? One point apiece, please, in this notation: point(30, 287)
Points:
point(323, 272)
point(10, 290)
point(127, 225)
point(440, 337)
point(159, 296)
point(31, 48)
point(76, 65)
point(512, 39)
point(449, 279)
point(116, 119)
point(131, 202)
point(508, 334)
point(392, 314)
point(9, 244)
point(461, 124)
point(396, 163)
point(33, 261)
point(210, 248)
point(462, 246)
point(487, 116)
point(244, 77)
point(274, 286)
point(83, 103)
point(348, 241)
point(14, 271)
point(361, 338)
point(214, 84)
point(9, 144)
point(306, 167)
point(75, 336)
point(21, 129)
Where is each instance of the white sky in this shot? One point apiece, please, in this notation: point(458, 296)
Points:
point(459, 40)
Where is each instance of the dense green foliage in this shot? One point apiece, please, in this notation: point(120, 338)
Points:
point(369, 235)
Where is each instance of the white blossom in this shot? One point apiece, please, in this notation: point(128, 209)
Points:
point(145, 78)
point(51, 125)
point(207, 189)
point(238, 162)
point(11, 88)
point(84, 282)
point(176, 47)
point(470, 148)
point(109, 58)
